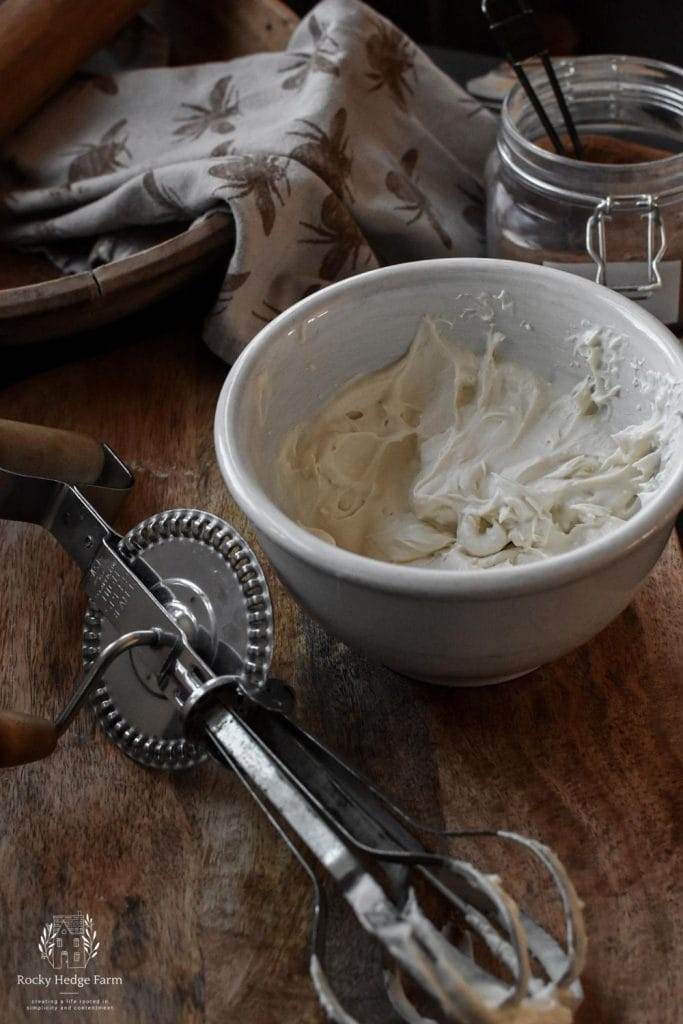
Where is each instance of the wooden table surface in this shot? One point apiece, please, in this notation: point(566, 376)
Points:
point(197, 904)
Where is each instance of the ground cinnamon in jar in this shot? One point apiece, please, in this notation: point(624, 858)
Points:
point(622, 202)
point(608, 149)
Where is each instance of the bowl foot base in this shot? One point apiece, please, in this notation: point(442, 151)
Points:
point(464, 681)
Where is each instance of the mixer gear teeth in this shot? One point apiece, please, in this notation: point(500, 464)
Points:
point(130, 707)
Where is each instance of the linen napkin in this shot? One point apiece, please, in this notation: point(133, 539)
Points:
point(348, 150)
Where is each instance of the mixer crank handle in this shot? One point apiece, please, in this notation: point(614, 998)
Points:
point(50, 453)
point(25, 738)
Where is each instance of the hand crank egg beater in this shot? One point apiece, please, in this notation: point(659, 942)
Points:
point(177, 645)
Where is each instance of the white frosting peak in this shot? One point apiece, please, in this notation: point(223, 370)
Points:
point(459, 461)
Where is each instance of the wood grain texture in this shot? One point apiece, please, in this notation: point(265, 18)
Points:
point(196, 901)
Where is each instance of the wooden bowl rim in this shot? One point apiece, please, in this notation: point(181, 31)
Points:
point(211, 231)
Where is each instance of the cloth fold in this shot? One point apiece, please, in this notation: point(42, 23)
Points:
point(346, 151)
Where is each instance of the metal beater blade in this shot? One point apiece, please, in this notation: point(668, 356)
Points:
point(345, 823)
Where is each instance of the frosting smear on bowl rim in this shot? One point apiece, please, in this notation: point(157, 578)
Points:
point(452, 460)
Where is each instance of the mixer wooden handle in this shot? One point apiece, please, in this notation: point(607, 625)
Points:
point(48, 452)
point(25, 738)
point(44, 42)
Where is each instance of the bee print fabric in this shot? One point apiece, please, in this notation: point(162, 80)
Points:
point(347, 151)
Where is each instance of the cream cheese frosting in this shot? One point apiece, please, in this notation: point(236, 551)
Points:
point(452, 460)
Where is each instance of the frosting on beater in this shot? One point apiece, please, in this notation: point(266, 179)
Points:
point(452, 460)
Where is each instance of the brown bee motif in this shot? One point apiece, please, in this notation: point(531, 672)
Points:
point(472, 106)
point(223, 149)
point(105, 83)
point(326, 154)
point(319, 58)
point(103, 157)
point(231, 282)
point(273, 311)
point(405, 187)
point(337, 230)
point(391, 58)
point(223, 105)
point(81, 81)
point(264, 177)
point(166, 198)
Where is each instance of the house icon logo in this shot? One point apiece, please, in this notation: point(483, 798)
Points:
point(69, 941)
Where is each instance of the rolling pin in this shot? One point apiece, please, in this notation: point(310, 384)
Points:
point(48, 452)
point(42, 43)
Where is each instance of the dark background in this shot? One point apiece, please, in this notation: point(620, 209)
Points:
point(642, 28)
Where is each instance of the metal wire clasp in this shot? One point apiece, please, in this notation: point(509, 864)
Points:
point(656, 241)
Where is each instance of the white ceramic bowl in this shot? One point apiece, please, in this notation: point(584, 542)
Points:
point(447, 627)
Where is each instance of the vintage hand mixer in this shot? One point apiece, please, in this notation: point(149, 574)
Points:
point(177, 649)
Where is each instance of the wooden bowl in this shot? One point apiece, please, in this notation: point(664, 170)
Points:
point(50, 307)
point(37, 304)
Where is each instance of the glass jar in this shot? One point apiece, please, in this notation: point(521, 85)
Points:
point(619, 224)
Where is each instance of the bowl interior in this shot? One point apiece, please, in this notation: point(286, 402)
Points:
point(364, 323)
